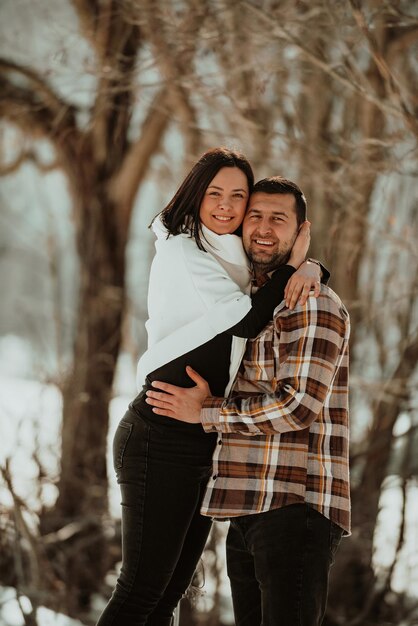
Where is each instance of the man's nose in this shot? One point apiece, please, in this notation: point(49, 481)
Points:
point(264, 228)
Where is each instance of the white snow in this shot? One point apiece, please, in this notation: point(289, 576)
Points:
point(11, 612)
point(30, 413)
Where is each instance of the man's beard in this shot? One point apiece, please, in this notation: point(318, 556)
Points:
point(263, 264)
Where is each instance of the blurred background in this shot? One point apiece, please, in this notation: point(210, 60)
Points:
point(104, 104)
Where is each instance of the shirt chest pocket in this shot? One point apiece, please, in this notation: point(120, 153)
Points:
point(260, 362)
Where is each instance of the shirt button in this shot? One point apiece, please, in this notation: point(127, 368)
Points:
point(219, 442)
point(215, 476)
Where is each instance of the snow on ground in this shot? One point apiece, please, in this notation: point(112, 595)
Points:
point(11, 612)
point(30, 419)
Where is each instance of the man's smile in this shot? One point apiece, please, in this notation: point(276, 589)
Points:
point(263, 242)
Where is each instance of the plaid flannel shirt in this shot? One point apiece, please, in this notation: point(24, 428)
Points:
point(283, 432)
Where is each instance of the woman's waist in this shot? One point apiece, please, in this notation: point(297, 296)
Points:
point(145, 412)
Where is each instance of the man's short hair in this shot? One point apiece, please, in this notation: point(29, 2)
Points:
point(278, 184)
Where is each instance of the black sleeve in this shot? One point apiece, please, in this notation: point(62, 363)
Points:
point(325, 274)
point(264, 302)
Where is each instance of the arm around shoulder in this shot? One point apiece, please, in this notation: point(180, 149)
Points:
point(310, 344)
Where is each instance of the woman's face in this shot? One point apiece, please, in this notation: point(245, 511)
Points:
point(223, 206)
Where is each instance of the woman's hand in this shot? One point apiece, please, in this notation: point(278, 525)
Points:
point(306, 278)
point(301, 245)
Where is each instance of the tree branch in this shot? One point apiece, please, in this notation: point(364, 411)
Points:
point(24, 109)
point(404, 38)
point(36, 82)
point(88, 12)
point(127, 180)
point(34, 108)
point(279, 31)
point(22, 526)
point(393, 86)
point(117, 42)
point(28, 155)
point(40, 114)
point(174, 54)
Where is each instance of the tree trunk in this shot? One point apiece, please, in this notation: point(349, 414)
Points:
point(83, 499)
point(353, 574)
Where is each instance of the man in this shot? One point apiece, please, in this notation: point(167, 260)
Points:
point(281, 467)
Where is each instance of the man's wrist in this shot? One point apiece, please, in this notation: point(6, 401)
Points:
point(210, 412)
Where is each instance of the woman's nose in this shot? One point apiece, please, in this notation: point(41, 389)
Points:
point(224, 204)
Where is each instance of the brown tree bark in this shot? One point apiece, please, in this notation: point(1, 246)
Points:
point(336, 163)
point(104, 170)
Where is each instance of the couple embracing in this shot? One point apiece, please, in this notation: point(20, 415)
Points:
point(242, 413)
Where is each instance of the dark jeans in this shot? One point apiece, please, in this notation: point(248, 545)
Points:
point(278, 564)
point(162, 472)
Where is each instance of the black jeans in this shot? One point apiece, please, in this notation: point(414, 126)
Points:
point(278, 564)
point(162, 472)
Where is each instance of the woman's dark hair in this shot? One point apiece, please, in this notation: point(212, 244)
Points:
point(181, 215)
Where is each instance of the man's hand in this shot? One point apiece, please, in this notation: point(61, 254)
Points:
point(180, 403)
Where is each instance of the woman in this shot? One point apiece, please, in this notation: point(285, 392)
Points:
point(200, 316)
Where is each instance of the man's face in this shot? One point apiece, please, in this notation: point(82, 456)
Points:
point(269, 229)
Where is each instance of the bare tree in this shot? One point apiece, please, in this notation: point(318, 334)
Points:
point(344, 79)
point(323, 92)
point(104, 167)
